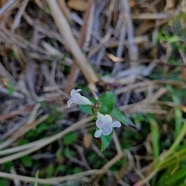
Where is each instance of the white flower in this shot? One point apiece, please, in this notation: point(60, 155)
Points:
point(105, 125)
point(77, 98)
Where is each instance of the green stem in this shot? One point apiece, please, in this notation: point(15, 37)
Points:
point(177, 141)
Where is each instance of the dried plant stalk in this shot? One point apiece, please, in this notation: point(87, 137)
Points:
point(72, 45)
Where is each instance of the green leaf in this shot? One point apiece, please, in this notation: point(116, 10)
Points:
point(93, 100)
point(174, 177)
point(59, 156)
point(117, 114)
point(50, 170)
point(77, 170)
point(108, 101)
point(105, 141)
point(68, 152)
point(86, 108)
point(61, 168)
point(70, 138)
point(27, 161)
point(42, 128)
point(4, 182)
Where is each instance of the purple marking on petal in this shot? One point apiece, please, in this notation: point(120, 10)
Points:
point(107, 129)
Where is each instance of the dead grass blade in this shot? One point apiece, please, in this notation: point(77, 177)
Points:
point(71, 42)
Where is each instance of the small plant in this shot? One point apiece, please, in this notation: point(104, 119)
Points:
point(103, 109)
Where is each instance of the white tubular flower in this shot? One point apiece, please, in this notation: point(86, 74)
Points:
point(77, 98)
point(105, 125)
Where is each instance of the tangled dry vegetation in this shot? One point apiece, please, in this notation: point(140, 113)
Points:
point(134, 48)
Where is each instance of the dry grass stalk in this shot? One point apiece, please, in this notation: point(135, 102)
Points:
point(74, 69)
point(52, 181)
point(71, 43)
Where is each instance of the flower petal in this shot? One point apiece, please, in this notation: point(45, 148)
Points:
point(107, 129)
point(74, 91)
point(78, 90)
point(85, 101)
point(115, 124)
point(78, 98)
point(98, 133)
point(100, 122)
point(69, 102)
point(100, 116)
point(108, 118)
